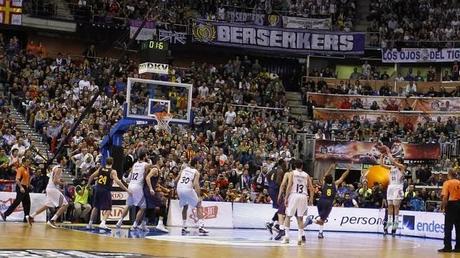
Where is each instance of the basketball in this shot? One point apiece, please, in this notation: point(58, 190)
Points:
point(378, 174)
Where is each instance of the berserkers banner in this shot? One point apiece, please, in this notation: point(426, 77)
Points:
point(296, 41)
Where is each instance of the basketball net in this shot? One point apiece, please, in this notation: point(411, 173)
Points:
point(163, 119)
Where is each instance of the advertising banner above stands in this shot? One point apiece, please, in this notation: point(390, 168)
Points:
point(416, 103)
point(366, 153)
point(295, 41)
point(307, 23)
point(420, 55)
point(274, 20)
point(371, 116)
point(148, 32)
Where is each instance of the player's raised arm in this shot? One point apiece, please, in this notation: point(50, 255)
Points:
point(92, 176)
point(344, 175)
point(115, 178)
point(401, 166)
point(328, 171)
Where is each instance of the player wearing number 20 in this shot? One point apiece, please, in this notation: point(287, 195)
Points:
point(188, 190)
point(299, 189)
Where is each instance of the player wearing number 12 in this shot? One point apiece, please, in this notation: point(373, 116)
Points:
point(299, 194)
point(136, 187)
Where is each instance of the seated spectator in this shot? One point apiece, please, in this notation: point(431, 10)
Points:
point(374, 106)
point(82, 207)
point(349, 202)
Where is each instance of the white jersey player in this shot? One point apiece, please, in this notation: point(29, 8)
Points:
point(136, 199)
point(299, 194)
point(54, 196)
point(188, 191)
point(395, 192)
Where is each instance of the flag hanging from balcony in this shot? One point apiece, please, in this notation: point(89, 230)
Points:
point(11, 12)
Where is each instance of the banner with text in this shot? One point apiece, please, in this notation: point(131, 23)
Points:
point(36, 200)
point(416, 103)
point(420, 55)
point(147, 32)
point(368, 153)
point(403, 118)
point(412, 223)
point(307, 23)
point(216, 214)
point(296, 41)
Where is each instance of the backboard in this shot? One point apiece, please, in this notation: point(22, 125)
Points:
point(145, 98)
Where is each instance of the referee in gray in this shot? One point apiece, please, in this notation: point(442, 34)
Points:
point(451, 208)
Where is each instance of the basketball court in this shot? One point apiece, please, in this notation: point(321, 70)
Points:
point(76, 241)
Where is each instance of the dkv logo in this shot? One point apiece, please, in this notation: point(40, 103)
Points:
point(209, 212)
point(4, 204)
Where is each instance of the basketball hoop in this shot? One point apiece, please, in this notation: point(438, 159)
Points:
point(163, 119)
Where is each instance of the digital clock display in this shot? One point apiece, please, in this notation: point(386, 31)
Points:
point(154, 45)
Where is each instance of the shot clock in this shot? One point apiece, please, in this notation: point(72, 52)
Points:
point(154, 51)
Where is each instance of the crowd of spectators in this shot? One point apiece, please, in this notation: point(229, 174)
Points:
point(179, 12)
point(237, 147)
point(414, 20)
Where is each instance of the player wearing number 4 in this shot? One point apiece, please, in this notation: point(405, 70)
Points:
point(136, 187)
point(299, 194)
point(102, 199)
point(328, 193)
point(188, 190)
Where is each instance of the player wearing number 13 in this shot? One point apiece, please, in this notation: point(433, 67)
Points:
point(299, 189)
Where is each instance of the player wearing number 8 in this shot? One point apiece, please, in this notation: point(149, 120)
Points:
point(328, 193)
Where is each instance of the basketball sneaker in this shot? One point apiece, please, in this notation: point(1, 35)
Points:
point(3, 216)
point(144, 227)
point(281, 234)
point(51, 224)
point(162, 228)
point(269, 227)
point(304, 239)
point(285, 241)
point(202, 230)
point(299, 242)
point(308, 221)
point(119, 223)
point(89, 226)
point(133, 228)
point(185, 231)
point(103, 226)
point(320, 235)
point(30, 220)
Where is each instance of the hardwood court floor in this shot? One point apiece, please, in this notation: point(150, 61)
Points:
point(219, 243)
